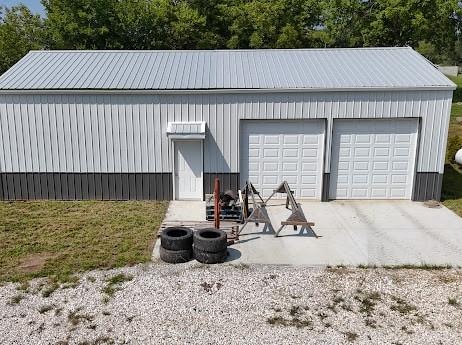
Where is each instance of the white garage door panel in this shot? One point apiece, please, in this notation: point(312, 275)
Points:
point(276, 151)
point(373, 159)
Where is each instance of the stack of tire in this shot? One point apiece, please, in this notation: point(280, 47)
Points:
point(180, 244)
point(176, 245)
point(210, 246)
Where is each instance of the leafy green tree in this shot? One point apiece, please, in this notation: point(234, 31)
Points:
point(82, 24)
point(143, 24)
point(272, 24)
point(431, 26)
point(216, 31)
point(20, 31)
point(343, 21)
point(406, 22)
point(124, 24)
point(187, 27)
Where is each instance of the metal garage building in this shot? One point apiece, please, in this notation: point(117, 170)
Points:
point(335, 123)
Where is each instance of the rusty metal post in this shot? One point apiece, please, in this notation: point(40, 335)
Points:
point(216, 196)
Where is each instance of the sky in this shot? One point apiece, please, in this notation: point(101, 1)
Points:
point(34, 5)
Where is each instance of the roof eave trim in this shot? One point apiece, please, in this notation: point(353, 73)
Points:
point(206, 91)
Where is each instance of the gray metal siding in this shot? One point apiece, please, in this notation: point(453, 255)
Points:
point(228, 181)
point(127, 133)
point(395, 67)
point(427, 186)
point(81, 186)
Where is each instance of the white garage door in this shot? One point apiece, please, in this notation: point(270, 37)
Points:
point(373, 159)
point(276, 151)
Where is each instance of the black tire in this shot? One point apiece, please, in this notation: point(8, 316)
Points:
point(176, 238)
point(175, 256)
point(210, 258)
point(210, 240)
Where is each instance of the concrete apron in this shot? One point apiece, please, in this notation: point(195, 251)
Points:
point(347, 232)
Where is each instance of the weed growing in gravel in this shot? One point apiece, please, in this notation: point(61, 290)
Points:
point(62, 342)
point(448, 278)
point(277, 320)
point(72, 282)
point(23, 286)
point(15, 299)
point(407, 330)
point(322, 315)
point(103, 340)
point(45, 308)
point(368, 301)
point(351, 336)
point(49, 289)
point(294, 310)
point(113, 284)
point(295, 320)
point(338, 299)
point(346, 307)
point(417, 267)
point(119, 279)
point(58, 311)
point(300, 323)
point(453, 301)
point(208, 287)
point(75, 317)
point(332, 308)
point(339, 269)
point(241, 267)
point(370, 323)
point(402, 306)
point(99, 341)
point(91, 279)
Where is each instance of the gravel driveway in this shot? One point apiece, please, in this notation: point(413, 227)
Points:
point(226, 304)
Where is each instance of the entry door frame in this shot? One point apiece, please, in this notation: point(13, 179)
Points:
point(174, 150)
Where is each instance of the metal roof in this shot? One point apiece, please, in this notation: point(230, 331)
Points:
point(366, 68)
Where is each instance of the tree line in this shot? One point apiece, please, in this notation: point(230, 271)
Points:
point(433, 27)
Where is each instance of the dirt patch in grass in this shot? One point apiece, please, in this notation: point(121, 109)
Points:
point(60, 238)
point(34, 262)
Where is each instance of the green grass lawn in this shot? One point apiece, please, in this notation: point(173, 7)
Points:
point(59, 238)
point(455, 128)
point(457, 97)
point(452, 181)
point(452, 188)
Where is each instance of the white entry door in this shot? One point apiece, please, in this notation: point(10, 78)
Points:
point(188, 170)
point(274, 151)
point(373, 159)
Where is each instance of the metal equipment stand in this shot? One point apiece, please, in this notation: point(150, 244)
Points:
point(297, 217)
point(259, 214)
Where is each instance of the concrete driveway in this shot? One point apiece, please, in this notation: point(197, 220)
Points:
point(351, 233)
